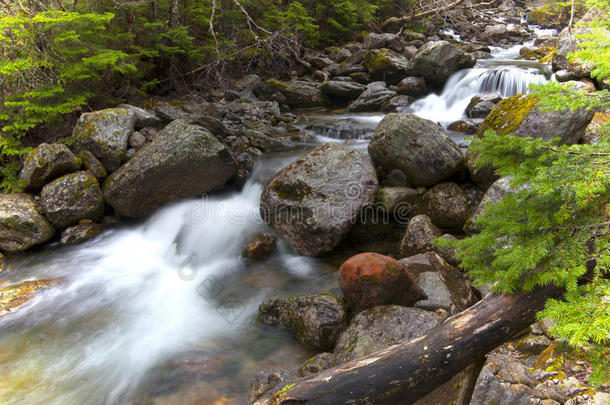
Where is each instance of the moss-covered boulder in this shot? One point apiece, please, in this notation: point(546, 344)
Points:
point(21, 224)
point(182, 161)
point(105, 133)
point(549, 15)
point(296, 93)
point(437, 60)
point(45, 163)
point(71, 198)
point(93, 165)
point(386, 65)
point(314, 201)
point(417, 147)
point(520, 115)
point(316, 320)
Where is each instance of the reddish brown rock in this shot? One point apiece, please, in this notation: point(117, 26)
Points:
point(261, 246)
point(371, 279)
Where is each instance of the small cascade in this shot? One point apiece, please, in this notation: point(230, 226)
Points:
point(509, 81)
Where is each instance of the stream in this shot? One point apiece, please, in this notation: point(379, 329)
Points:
point(164, 311)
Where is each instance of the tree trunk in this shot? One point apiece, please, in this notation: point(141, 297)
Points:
point(403, 373)
point(173, 16)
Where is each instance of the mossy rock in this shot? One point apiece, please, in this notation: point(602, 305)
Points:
point(21, 224)
point(385, 64)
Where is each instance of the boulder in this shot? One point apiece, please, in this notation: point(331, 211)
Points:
point(413, 86)
point(436, 61)
point(520, 115)
point(371, 279)
point(593, 131)
point(384, 40)
point(266, 383)
point(45, 163)
point(92, 165)
point(183, 161)
point(416, 146)
point(396, 199)
point(105, 133)
point(313, 202)
point(21, 224)
point(70, 198)
point(342, 89)
point(483, 175)
point(494, 194)
point(80, 233)
point(467, 126)
point(447, 206)
point(316, 320)
point(137, 140)
point(385, 65)
point(373, 98)
point(337, 54)
point(399, 103)
point(295, 93)
point(419, 236)
point(144, 118)
point(481, 105)
point(260, 246)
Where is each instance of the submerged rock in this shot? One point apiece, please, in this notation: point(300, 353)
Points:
point(21, 223)
point(314, 201)
point(315, 320)
point(45, 163)
point(371, 279)
point(183, 161)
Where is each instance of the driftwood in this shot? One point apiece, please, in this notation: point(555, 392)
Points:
point(403, 373)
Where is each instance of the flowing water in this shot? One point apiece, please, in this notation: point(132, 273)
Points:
point(165, 309)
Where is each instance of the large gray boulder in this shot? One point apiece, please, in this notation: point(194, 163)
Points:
point(21, 224)
point(436, 61)
point(71, 198)
point(182, 161)
point(373, 98)
point(386, 65)
point(417, 147)
point(314, 201)
point(45, 163)
point(342, 88)
point(105, 133)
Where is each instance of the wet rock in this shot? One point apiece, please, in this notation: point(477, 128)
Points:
point(343, 89)
point(494, 193)
point(93, 166)
point(80, 233)
point(371, 279)
point(419, 236)
point(16, 296)
point(260, 246)
point(467, 126)
point(313, 201)
point(481, 105)
point(436, 61)
point(416, 146)
point(45, 163)
point(398, 104)
point(386, 65)
point(316, 320)
point(447, 206)
point(266, 383)
point(295, 93)
point(245, 166)
point(144, 118)
point(445, 286)
point(564, 76)
point(396, 198)
point(413, 86)
point(21, 223)
point(105, 133)
point(70, 198)
point(182, 161)
point(372, 99)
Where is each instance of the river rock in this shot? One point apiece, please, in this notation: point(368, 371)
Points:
point(386, 65)
point(371, 279)
point(316, 320)
point(137, 140)
point(384, 40)
point(313, 202)
point(436, 61)
point(416, 146)
point(343, 89)
point(260, 246)
point(481, 105)
point(93, 166)
point(266, 383)
point(80, 233)
point(183, 161)
point(375, 95)
point(70, 198)
point(144, 118)
point(21, 223)
point(295, 93)
point(337, 54)
point(45, 163)
point(396, 199)
point(16, 296)
point(593, 131)
point(467, 126)
point(419, 236)
point(413, 86)
point(494, 194)
point(399, 103)
point(447, 206)
point(105, 133)
point(519, 115)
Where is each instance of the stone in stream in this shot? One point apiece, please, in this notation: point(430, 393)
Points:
point(92, 165)
point(467, 126)
point(314, 201)
point(481, 105)
point(371, 279)
point(316, 320)
point(183, 161)
point(22, 224)
point(260, 246)
point(105, 133)
point(16, 296)
point(45, 163)
point(416, 146)
point(266, 383)
point(386, 65)
point(71, 198)
point(436, 61)
point(80, 233)
point(373, 98)
point(412, 86)
point(447, 206)
point(419, 236)
point(296, 93)
point(343, 89)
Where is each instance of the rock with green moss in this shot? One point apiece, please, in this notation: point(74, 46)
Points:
point(296, 93)
point(437, 60)
point(22, 226)
point(520, 115)
point(373, 98)
point(105, 133)
point(386, 65)
point(316, 320)
point(93, 165)
point(314, 201)
point(144, 118)
point(71, 198)
point(337, 54)
point(45, 163)
point(183, 161)
point(416, 146)
point(80, 233)
point(269, 385)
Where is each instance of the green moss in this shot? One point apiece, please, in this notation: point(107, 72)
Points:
point(283, 392)
point(280, 84)
point(507, 116)
point(380, 60)
point(295, 192)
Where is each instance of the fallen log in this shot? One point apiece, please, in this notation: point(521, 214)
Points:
point(403, 373)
